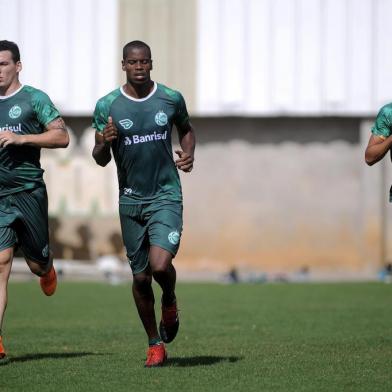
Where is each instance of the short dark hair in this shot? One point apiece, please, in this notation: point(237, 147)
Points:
point(135, 44)
point(12, 47)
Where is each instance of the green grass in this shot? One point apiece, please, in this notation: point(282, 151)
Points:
point(277, 337)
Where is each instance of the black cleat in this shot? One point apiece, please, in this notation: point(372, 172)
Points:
point(168, 327)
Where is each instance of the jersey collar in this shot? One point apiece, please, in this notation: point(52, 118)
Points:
point(11, 95)
point(139, 99)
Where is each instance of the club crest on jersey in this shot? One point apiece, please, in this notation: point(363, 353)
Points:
point(161, 118)
point(126, 123)
point(174, 237)
point(15, 111)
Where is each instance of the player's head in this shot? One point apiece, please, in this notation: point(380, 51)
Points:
point(10, 64)
point(12, 47)
point(137, 62)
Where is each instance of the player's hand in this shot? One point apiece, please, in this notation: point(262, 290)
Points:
point(185, 161)
point(8, 138)
point(110, 131)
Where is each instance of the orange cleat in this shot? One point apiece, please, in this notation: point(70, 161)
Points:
point(48, 282)
point(168, 327)
point(3, 356)
point(156, 355)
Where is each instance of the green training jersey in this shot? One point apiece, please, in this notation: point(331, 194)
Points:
point(143, 149)
point(26, 111)
point(383, 124)
point(383, 127)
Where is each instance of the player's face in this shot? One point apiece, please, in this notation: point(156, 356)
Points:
point(8, 69)
point(137, 65)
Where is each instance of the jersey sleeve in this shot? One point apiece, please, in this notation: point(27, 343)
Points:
point(383, 125)
point(181, 117)
point(44, 108)
point(101, 114)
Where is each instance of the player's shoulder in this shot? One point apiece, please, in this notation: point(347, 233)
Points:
point(175, 95)
point(108, 99)
point(35, 93)
point(386, 110)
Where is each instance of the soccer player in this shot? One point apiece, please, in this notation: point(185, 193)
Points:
point(134, 123)
point(28, 122)
point(380, 141)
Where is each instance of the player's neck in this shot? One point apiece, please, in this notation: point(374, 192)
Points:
point(138, 91)
point(15, 85)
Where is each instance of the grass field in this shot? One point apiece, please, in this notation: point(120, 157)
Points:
point(275, 337)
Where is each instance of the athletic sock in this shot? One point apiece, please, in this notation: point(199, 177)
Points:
point(154, 342)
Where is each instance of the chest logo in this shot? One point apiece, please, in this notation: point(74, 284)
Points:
point(15, 111)
point(161, 118)
point(126, 123)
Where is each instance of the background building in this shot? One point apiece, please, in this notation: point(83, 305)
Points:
point(282, 95)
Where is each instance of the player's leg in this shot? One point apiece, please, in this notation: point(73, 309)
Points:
point(8, 216)
point(46, 272)
point(6, 256)
point(134, 232)
point(144, 300)
point(165, 227)
point(33, 235)
point(164, 273)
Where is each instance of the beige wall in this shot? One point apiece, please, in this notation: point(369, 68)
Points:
point(266, 194)
point(169, 27)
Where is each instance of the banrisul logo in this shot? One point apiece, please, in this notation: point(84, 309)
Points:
point(15, 111)
point(161, 118)
point(126, 123)
point(174, 237)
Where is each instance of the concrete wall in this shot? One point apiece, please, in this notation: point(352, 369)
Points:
point(266, 194)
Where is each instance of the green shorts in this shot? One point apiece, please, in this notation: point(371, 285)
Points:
point(24, 223)
point(158, 224)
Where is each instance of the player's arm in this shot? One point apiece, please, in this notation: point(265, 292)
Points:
point(377, 147)
point(186, 135)
point(103, 141)
point(54, 136)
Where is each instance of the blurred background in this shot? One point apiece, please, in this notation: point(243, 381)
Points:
point(282, 94)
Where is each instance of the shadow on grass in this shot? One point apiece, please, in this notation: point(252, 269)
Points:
point(37, 357)
point(204, 360)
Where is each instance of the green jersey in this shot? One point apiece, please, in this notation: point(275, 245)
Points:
point(383, 124)
point(26, 111)
point(143, 150)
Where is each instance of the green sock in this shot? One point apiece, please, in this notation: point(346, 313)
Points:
point(154, 341)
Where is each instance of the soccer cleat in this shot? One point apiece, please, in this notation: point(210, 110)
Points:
point(156, 355)
point(48, 282)
point(3, 356)
point(168, 327)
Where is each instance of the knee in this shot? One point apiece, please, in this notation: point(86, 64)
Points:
point(142, 281)
point(5, 259)
point(161, 268)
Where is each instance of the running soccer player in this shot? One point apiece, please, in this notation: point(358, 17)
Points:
point(380, 141)
point(134, 123)
point(28, 122)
